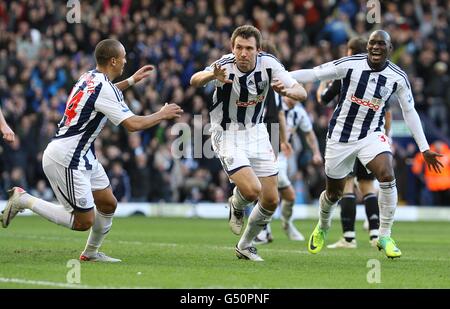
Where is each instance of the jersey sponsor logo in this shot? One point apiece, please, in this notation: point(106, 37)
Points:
point(257, 100)
point(373, 104)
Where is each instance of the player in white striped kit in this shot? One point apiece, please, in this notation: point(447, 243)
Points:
point(77, 178)
point(356, 130)
point(239, 136)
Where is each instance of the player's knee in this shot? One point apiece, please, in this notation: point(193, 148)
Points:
point(386, 175)
point(251, 193)
point(335, 195)
point(271, 202)
point(109, 206)
point(83, 224)
point(289, 195)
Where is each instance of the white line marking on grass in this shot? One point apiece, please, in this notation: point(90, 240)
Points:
point(158, 244)
point(63, 285)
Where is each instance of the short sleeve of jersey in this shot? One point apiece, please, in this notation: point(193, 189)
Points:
point(279, 72)
point(226, 59)
point(109, 103)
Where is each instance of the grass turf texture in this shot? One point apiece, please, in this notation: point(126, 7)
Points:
point(199, 253)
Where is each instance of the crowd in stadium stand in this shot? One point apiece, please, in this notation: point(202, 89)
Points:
point(42, 55)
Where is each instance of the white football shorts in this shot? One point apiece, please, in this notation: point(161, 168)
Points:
point(73, 188)
point(340, 157)
point(240, 148)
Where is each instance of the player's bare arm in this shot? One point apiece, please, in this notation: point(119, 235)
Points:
point(139, 75)
point(285, 146)
point(311, 139)
point(201, 78)
point(7, 133)
point(137, 123)
point(296, 92)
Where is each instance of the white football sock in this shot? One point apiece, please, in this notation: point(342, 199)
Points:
point(52, 212)
point(326, 208)
point(387, 200)
point(258, 218)
point(286, 210)
point(101, 227)
point(239, 202)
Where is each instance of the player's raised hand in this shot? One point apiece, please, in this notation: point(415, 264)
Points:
point(142, 73)
point(7, 133)
point(221, 74)
point(171, 111)
point(432, 161)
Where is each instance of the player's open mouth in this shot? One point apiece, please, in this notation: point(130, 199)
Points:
point(376, 56)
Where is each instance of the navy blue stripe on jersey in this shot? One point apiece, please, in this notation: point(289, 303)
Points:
point(256, 116)
point(399, 72)
point(243, 97)
point(222, 61)
point(371, 113)
point(225, 99)
point(342, 95)
point(219, 97)
point(93, 149)
point(383, 111)
point(86, 162)
point(115, 92)
point(231, 61)
point(90, 129)
point(353, 111)
point(349, 58)
point(85, 114)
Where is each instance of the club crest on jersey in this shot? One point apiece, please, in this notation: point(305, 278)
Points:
point(257, 100)
point(384, 91)
point(262, 84)
point(373, 104)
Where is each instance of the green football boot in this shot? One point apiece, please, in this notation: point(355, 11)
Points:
point(317, 239)
point(390, 248)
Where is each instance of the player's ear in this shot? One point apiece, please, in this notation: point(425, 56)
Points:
point(391, 47)
point(113, 61)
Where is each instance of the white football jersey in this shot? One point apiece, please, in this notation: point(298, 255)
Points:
point(92, 101)
point(296, 117)
point(364, 92)
point(241, 104)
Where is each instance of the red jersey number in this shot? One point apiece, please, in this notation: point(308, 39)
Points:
point(70, 112)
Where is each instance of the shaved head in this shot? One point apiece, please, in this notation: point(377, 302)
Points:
point(107, 49)
point(381, 33)
point(379, 47)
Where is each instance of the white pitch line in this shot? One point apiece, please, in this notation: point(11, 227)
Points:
point(63, 285)
point(158, 244)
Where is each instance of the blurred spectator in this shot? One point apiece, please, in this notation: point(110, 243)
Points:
point(120, 182)
point(42, 55)
point(437, 183)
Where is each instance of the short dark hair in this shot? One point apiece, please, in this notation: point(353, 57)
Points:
point(270, 48)
point(358, 45)
point(105, 50)
point(247, 32)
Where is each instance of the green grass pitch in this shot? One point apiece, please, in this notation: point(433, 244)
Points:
point(198, 253)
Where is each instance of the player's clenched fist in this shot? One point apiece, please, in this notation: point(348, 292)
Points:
point(171, 111)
